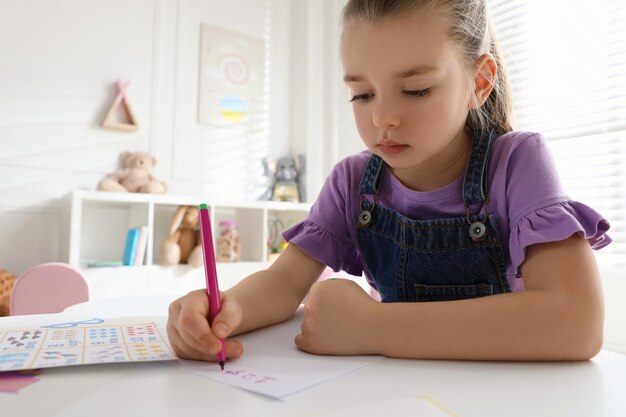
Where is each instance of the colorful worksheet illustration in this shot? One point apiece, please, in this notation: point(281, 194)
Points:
point(81, 343)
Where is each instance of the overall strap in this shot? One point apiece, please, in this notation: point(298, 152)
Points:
point(370, 181)
point(475, 182)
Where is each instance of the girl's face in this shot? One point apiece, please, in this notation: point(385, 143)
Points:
point(410, 96)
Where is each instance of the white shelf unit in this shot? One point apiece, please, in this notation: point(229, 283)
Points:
point(98, 222)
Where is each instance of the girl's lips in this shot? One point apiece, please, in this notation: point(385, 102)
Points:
point(391, 148)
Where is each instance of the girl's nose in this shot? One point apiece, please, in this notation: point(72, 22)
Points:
point(384, 115)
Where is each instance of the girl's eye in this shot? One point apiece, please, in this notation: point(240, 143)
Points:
point(418, 93)
point(361, 97)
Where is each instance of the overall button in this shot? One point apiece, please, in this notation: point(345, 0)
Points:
point(477, 231)
point(365, 217)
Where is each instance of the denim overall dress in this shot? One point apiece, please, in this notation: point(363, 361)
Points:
point(433, 260)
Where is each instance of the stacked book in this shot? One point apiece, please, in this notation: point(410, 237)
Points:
point(136, 244)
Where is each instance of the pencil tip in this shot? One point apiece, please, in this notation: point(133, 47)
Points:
point(222, 365)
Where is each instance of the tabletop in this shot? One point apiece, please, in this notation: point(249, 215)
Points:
point(469, 389)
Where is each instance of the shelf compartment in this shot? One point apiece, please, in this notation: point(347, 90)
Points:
point(108, 222)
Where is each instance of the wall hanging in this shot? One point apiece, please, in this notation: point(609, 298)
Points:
point(113, 122)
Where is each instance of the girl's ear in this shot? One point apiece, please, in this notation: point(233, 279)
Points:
point(485, 71)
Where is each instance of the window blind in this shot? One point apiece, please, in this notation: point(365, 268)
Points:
point(567, 66)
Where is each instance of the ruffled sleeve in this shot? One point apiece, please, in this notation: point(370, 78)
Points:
point(328, 233)
point(554, 223)
point(339, 254)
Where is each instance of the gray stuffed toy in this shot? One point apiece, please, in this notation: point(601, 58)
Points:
point(285, 174)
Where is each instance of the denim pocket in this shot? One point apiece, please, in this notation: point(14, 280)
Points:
point(452, 292)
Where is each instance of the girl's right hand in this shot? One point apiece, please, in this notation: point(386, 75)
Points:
point(189, 332)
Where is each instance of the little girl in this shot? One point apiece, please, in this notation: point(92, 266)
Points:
point(457, 221)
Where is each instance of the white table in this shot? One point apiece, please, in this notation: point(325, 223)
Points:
point(596, 388)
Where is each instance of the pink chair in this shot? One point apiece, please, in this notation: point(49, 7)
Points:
point(48, 288)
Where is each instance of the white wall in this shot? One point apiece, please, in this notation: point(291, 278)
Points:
point(58, 65)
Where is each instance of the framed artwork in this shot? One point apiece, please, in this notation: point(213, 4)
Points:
point(232, 77)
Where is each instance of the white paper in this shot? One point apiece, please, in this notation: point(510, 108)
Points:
point(403, 407)
point(82, 342)
point(272, 365)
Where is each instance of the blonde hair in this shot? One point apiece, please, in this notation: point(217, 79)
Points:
point(471, 29)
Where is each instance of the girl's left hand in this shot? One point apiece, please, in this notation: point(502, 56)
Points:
point(338, 320)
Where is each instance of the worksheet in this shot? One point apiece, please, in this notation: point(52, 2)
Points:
point(273, 366)
point(83, 342)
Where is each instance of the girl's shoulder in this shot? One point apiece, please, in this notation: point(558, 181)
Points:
point(511, 141)
point(521, 150)
point(351, 168)
point(355, 161)
point(523, 173)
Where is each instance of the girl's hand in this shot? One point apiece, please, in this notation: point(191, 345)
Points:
point(338, 318)
point(189, 332)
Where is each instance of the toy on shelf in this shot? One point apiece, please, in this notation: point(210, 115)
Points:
point(285, 179)
point(7, 281)
point(228, 244)
point(275, 243)
point(183, 243)
point(110, 122)
point(135, 176)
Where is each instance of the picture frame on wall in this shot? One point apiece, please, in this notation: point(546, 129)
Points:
point(232, 77)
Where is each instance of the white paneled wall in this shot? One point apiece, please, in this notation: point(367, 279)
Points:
point(58, 65)
point(59, 62)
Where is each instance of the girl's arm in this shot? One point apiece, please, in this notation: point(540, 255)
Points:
point(263, 298)
point(273, 295)
point(559, 316)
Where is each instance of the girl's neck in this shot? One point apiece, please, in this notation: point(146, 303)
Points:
point(440, 170)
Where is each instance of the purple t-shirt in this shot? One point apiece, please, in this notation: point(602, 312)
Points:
point(525, 196)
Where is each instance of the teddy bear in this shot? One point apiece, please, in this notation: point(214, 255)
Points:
point(183, 243)
point(285, 174)
point(135, 175)
point(7, 280)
